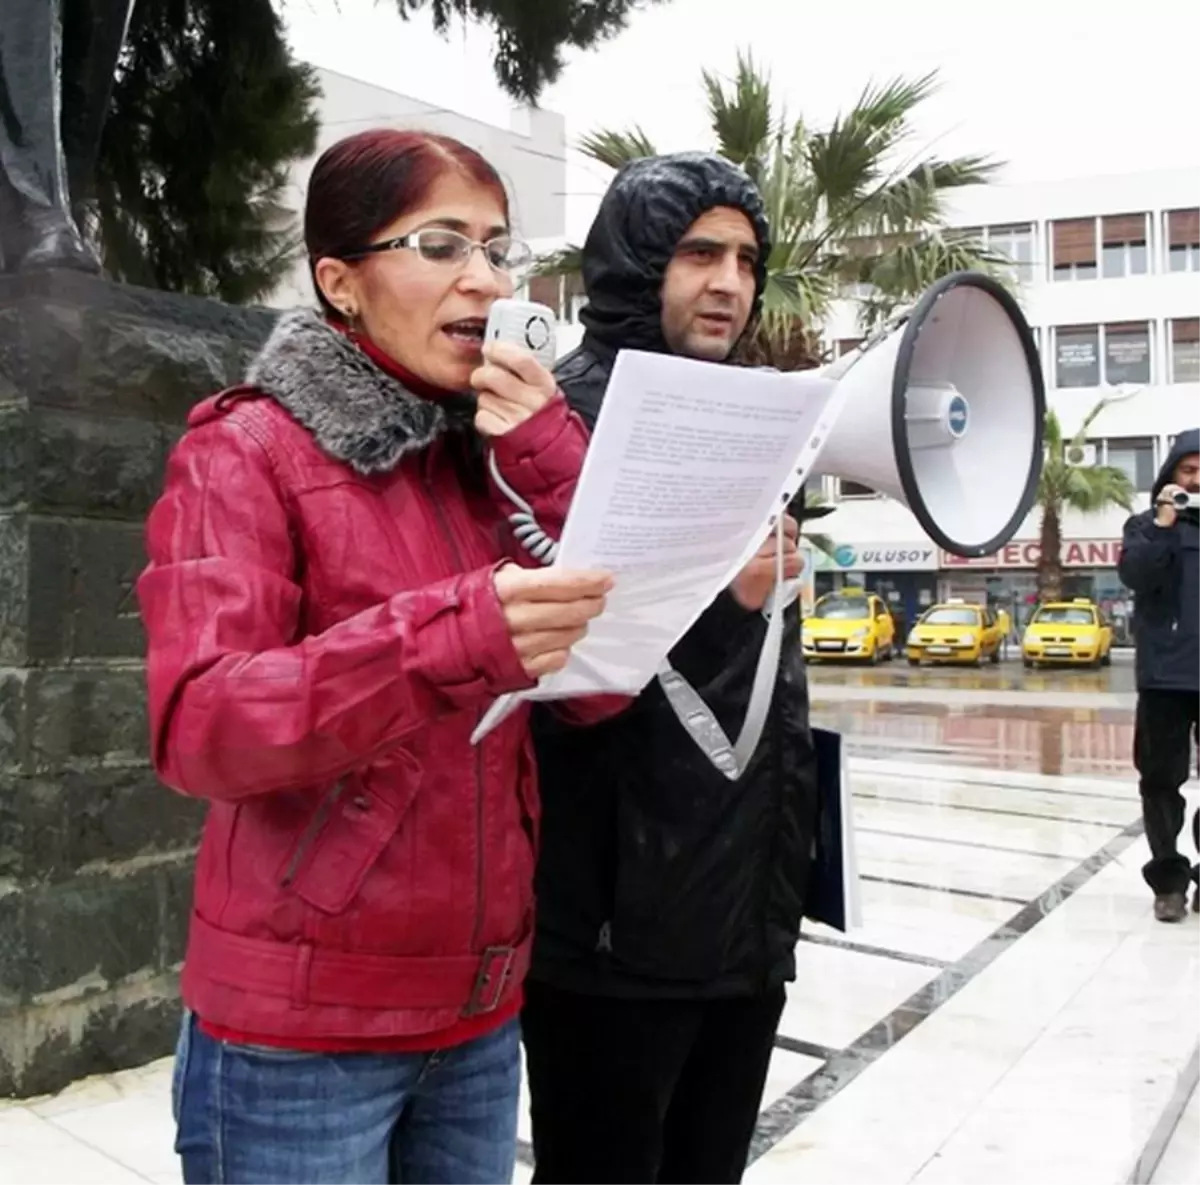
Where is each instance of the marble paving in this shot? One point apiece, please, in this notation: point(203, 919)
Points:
point(1009, 1011)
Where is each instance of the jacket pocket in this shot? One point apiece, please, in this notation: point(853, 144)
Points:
point(352, 826)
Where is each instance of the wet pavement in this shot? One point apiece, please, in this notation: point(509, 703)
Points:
point(1007, 951)
point(1059, 721)
point(1117, 679)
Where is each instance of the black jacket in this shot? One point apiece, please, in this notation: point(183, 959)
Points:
point(657, 875)
point(1162, 567)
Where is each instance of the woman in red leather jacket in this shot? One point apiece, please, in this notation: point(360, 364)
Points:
point(331, 606)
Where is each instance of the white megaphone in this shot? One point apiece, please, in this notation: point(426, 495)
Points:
point(945, 411)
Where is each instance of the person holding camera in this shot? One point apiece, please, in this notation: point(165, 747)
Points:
point(1160, 562)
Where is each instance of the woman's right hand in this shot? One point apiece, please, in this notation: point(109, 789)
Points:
point(547, 611)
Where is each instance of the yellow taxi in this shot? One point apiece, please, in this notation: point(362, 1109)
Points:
point(955, 632)
point(848, 624)
point(1074, 632)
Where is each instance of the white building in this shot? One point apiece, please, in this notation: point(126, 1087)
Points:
point(1110, 270)
point(529, 154)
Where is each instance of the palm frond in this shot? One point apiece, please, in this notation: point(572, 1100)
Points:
point(847, 160)
point(1054, 433)
point(975, 169)
point(899, 273)
point(741, 117)
point(822, 542)
point(1095, 488)
point(1088, 489)
point(614, 148)
point(917, 198)
point(884, 107)
point(567, 261)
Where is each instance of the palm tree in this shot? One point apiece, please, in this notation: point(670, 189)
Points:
point(849, 211)
point(1066, 484)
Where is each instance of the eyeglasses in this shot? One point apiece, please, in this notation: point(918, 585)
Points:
point(451, 249)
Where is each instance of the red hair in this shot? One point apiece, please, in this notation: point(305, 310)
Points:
point(365, 181)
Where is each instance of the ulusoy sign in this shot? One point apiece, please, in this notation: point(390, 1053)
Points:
point(880, 557)
point(1075, 553)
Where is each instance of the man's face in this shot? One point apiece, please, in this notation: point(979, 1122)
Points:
point(708, 290)
point(1187, 473)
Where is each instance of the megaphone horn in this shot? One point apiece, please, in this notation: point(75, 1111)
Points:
point(945, 412)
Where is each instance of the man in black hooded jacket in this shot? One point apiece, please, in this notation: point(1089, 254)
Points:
point(1160, 561)
point(669, 897)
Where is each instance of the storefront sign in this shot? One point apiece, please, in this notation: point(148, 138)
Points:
point(1076, 553)
point(879, 557)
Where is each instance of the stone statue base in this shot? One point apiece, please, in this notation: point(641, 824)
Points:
point(95, 382)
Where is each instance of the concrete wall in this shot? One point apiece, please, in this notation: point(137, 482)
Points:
point(95, 856)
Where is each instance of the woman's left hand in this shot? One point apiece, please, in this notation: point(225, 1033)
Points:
point(512, 385)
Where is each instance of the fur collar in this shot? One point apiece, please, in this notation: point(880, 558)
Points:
point(356, 412)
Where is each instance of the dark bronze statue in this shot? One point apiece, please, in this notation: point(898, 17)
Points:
point(57, 62)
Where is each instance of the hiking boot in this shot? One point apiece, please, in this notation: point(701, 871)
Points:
point(1170, 907)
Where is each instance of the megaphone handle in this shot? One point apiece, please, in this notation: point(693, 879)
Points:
point(698, 718)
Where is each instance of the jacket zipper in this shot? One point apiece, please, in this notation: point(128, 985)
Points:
point(327, 803)
point(779, 804)
point(477, 929)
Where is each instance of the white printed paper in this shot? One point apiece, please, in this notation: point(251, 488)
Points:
point(688, 467)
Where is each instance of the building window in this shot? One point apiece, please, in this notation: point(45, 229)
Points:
point(1074, 248)
point(1127, 353)
point(1125, 347)
point(852, 489)
point(1183, 240)
point(1077, 356)
point(1185, 350)
point(1015, 242)
point(1134, 455)
point(1124, 245)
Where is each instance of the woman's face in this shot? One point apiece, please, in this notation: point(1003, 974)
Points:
point(428, 316)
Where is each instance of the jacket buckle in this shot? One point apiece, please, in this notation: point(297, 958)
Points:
point(495, 967)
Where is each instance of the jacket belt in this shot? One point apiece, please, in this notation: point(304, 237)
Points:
point(306, 974)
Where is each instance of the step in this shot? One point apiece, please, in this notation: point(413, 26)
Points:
point(1180, 1160)
point(1065, 1059)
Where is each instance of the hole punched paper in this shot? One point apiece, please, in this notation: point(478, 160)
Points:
point(689, 467)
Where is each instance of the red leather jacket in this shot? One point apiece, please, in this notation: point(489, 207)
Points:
point(324, 635)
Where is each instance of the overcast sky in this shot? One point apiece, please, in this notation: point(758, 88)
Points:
point(1056, 88)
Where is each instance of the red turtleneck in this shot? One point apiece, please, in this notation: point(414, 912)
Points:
point(389, 365)
point(463, 1030)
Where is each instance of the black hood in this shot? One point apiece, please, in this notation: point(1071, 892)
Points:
point(644, 214)
point(1185, 444)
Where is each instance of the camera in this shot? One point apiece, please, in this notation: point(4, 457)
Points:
point(1182, 500)
point(524, 323)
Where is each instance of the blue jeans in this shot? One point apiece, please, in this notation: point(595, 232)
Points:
point(252, 1115)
